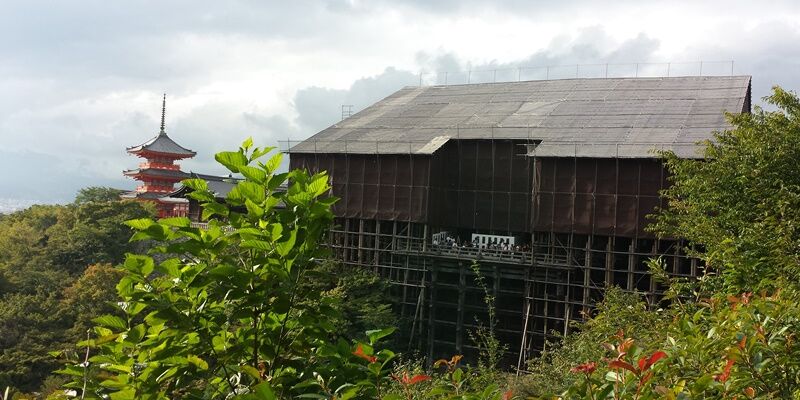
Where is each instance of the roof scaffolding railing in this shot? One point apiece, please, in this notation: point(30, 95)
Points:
point(576, 71)
point(536, 148)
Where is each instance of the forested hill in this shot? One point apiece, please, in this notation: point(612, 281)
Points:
point(55, 275)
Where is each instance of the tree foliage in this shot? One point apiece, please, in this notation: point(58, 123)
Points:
point(549, 373)
point(230, 311)
point(360, 297)
point(97, 194)
point(742, 202)
point(222, 315)
point(44, 250)
point(733, 334)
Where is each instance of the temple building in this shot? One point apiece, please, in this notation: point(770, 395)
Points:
point(546, 185)
point(159, 172)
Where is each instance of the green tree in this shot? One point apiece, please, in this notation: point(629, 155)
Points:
point(97, 194)
point(741, 204)
point(741, 207)
point(550, 372)
point(225, 316)
point(90, 296)
point(737, 347)
point(43, 250)
point(228, 312)
point(360, 296)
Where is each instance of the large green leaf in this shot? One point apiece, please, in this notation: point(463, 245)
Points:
point(319, 184)
point(140, 265)
point(274, 162)
point(379, 334)
point(254, 192)
point(195, 184)
point(140, 224)
point(180, 222)
point(231, 160)
point(285, 246)
point(111, 321)
point(254, 174)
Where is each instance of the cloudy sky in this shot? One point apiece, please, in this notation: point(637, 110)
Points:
point(80, 80)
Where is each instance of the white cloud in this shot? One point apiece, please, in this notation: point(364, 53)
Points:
point(82, 80)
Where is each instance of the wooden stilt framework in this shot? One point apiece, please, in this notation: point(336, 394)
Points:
point(491, 186)
point(538, 293)
point(559, 166)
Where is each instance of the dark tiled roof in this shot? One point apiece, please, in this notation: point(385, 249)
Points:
point(157, 172)
point(219, 185)
point(140, 195)
point(162, 144)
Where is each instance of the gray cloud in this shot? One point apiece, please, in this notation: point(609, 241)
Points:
point(81, 80)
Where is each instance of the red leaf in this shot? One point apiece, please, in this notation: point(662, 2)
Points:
point(726, 372)
point(417, 379)
point(652, 360)
point(586, 368)
point(622, 364)
point(360, 354)
point(508, 395)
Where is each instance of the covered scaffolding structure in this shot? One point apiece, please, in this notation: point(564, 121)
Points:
point(567, 170)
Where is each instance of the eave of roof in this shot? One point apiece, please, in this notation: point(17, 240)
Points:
point(157, 172)
point(162, 144)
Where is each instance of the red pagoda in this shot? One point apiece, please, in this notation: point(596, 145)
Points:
point(158, 173)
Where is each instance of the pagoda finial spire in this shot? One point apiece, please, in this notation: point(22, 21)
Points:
point(163, 113)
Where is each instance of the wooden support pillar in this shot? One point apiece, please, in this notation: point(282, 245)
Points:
point(462, 285)
point(432, 314)
point(587, 271)
point(394, 236)
point(361, 241)
point(377, 256)
point(676, 260)
point(405, 284)
point(653, 283)
point(425, 237)
point(610, 261)
point(346, 247)
point(567, 306)
point(546, 319)
point(408, 236)
point(570, 241)
point(631, 264)
point(418, 314)
point(526, 313)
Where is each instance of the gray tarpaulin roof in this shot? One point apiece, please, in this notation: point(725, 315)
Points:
point(602, 117)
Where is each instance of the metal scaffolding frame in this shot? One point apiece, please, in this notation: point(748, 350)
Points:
point(566, 167)
point(539, 291)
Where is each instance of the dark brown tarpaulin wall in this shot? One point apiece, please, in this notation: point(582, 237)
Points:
point(482, 185)
point(384, 187)
point(596, 196)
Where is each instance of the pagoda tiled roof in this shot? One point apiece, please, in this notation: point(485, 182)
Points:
point(161, 197)
point(142, 195)
point(157, 172)
point(162, 144)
